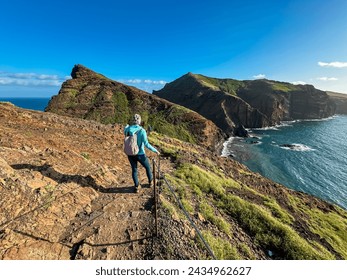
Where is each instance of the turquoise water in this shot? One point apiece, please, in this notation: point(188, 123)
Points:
point(38, 104)
point(315, 163)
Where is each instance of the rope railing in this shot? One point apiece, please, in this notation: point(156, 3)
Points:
point(161, 175)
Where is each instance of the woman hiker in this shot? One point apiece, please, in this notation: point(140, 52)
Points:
point(142, 142)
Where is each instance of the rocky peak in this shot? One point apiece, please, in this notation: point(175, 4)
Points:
point(80, 71)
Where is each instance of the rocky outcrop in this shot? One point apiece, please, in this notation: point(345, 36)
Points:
point(66, 193)
point(340, 100)
point(230, 103)
point(240, 131)
point(225, 109)
point(92, 96)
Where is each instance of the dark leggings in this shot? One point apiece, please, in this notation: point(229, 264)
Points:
point(144, 162)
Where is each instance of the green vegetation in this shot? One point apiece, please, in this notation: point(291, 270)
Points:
point(219, 198)
point(173, 149)
point(187, 205)
point(222, 249)
point(122, 113)
point(278, 212)
point(100, 76)
point(72, 92)
point(268, 232)
point(285, 87)
point(206, 181)
point(246, 251)
point(85, 155)
point(48, 198)
point(268, 224)
point(165, 148)
point(169, 207)
point(227, 85)
point(163, 123)
point(118, 100)
point(209, 214)
point(94, 115)
point(328, 225)
point(49, 188)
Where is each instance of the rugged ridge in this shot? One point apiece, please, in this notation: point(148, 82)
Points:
point(225, 109)
point(92, 96)
point(66, 193)
point(230, 103)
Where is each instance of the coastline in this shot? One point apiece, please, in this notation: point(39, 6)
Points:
point(302, 164)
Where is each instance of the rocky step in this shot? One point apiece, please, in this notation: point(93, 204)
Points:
point(117, 227)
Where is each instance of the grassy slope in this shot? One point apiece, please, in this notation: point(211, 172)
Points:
point(229, 86)
point(232, 86)
point(230, 204)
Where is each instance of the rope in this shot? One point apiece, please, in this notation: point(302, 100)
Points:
point(185, 212)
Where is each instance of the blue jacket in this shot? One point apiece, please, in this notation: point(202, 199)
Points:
point(142, 140)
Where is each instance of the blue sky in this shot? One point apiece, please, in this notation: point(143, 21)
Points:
point(148, 43)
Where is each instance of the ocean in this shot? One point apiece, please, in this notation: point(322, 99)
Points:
point(38, 104)
point(308, 156)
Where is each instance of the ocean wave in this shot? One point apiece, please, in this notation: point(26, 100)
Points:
point(226, 151)
point(255, 136)
point(252, 141)
point(316, 120)
point(277, 126)
point(290, 123)
point(267, 128)
point(296, 147)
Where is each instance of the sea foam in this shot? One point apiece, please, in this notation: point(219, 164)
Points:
point(297, 147)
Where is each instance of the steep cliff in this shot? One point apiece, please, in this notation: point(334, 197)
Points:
point(340, 100)
point(284, 101)
point(230, 103)
point(66, 193)
point(214, 99)
point(92, 96)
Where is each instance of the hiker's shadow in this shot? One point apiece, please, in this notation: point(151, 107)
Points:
point(84, 181)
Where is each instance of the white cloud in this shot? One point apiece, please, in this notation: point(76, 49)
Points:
point(335, 64)
point(155, 82)
point(327, 79)
point(134, 81)
point(299, 83)
point(32, 76)
point(259, 76)
point(139, 81)
point(146, 85)
point(30, 79)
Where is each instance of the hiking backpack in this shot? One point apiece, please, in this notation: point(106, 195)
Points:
point(130, 144)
